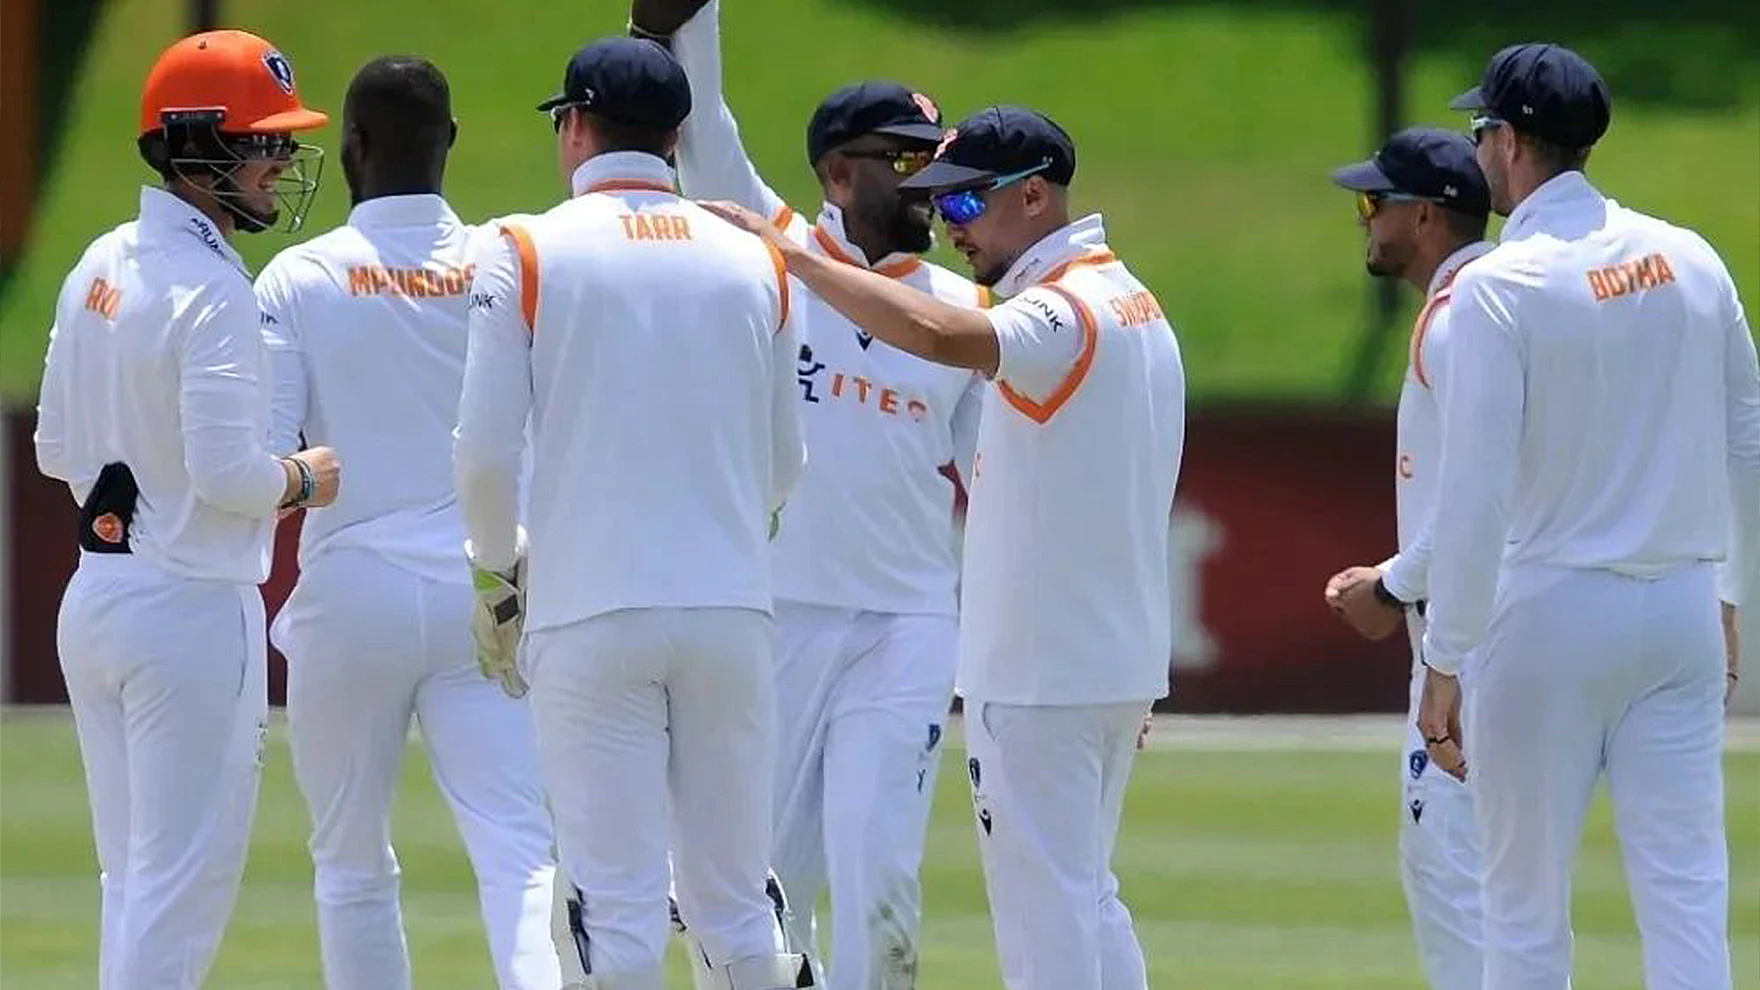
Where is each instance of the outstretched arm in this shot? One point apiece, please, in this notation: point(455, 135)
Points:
point(902, 316)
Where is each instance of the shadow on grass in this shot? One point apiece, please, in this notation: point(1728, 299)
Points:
point(1690, 54)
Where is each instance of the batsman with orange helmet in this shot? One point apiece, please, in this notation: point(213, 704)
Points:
point(155, 412)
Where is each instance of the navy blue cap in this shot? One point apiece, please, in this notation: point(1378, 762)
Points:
point(1423, 161)
point(871, 108)
point(998, 141)
point(1545, 90)
point(629, 81)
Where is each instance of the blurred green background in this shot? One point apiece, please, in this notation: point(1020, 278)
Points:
point(1205, 131)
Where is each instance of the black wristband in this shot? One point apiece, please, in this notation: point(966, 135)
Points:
point(308, 484)
point(1386, 597)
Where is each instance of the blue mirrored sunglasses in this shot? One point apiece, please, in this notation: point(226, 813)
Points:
point(965, 205)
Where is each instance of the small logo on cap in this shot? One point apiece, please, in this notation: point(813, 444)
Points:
point(946, 139)
point(1450, 191)
point(280, 68)
point(930, 110)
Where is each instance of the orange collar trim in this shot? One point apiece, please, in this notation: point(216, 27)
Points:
point(1093, 258)
point(898, 269)
point(628, 185)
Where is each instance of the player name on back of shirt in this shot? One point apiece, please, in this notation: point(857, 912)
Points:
point(373, 280)
point(1627, 277)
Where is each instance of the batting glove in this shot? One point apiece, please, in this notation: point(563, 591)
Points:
point(498, 619)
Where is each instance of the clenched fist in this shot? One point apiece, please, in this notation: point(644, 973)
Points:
point(662, 18)
point(1351, 594)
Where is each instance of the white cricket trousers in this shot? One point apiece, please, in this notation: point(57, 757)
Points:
point(168, 680)
point(1048, 786)
point(862, 702)
point(1440, 866)
point(1587, 671)
point(369, 645)
point(656, 729)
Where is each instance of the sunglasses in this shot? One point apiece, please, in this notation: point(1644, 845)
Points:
point(963, 206)
point(1479, 125)
point(559, 113)
point(903, 162)
point(1369, 203)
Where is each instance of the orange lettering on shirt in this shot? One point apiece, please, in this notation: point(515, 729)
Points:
point(889, 402)
point(837, 384)
point(1628, 277)
point(862, 387)
point(1135, 309)
point(917, 409)
point(1405, 467)
point(416, 283)
point(1598, 285)
point(103, 298)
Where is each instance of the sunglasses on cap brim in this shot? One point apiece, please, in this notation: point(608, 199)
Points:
point(1369, 203)
point(962, 206)
point(559, 113)
point(1482, 123)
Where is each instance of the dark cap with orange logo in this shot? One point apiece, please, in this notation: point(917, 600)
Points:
point(232, 80)
point(631, 81)
point(871, 108)
point(1426, 162)
point(1545, 90)
point(996, 143)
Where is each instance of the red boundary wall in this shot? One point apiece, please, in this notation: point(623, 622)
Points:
point(1271, 503)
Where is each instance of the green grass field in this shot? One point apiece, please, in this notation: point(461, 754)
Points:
point(1205, 131)
point(1250, 865)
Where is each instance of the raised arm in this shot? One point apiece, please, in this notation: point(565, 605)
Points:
point(712, 159)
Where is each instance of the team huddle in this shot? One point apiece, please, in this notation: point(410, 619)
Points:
point(643, 508)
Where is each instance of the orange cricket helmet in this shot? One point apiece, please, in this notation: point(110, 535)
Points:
point(241, 76)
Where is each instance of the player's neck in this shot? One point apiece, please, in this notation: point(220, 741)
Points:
point(378, 187)
point(1424, 263)
point(1524, 182)
point(873, 243)
point(206, 204)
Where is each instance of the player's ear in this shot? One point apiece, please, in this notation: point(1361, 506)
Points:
point(839, 171)
point(452, 134)
point(1035, 196)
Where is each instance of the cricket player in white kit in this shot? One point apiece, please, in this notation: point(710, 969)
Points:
point(155, 412)
point(1064, 632)
point(1600, 456)
point(1423, 204)
point(366, 327)
point(865, 569)
point(650, 344)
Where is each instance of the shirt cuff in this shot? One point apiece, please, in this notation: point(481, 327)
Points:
point(1729, 583)
point(1397, 581)
point(1440, 660)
